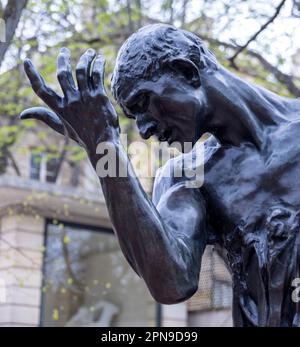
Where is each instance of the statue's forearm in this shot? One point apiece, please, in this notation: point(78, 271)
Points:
point(151, 247)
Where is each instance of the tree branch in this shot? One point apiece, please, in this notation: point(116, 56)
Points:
point(286, 79)
point(11, 17)
point(253, 37)
point(13, 162)
point(296, 8)
point(61, 158)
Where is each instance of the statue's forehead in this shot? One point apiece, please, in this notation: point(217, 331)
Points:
point(133, 87)
point(158, 86)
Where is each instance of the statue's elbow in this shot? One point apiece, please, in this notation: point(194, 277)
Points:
point(173, 296)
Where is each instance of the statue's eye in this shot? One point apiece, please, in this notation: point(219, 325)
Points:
point(142, 103)
point(127, 112)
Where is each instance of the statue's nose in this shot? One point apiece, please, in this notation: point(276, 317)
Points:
point(147, 130)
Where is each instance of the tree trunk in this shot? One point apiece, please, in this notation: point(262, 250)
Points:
point(11, 17)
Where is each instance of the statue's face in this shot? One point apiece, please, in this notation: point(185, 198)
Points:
point(170, 108)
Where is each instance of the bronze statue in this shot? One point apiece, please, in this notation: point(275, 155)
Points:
point(171, 84)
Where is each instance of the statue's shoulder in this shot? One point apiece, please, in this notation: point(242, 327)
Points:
point(184, 167)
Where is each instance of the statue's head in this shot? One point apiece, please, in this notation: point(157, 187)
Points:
point(157, 81)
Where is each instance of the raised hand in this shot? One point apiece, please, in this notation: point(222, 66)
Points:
point(85, 111)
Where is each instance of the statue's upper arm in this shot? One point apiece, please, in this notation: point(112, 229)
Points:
point(181, 208)
point(177, 201)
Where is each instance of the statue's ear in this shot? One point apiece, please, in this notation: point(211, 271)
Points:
point(187, 68)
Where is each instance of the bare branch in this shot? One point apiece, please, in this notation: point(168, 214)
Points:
point(279, 75)
point(129, 13)
point(183, 13)
point(253, 37)
point(140, 12)
point(296, 9)
point(19, 250)
point(62, 157)
point(13, 162)
point(11, 16)
point(66, 254)
point(286, 79)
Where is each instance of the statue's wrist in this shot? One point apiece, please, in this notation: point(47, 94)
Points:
point(108, 138)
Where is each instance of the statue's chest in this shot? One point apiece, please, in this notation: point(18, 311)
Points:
point(245, 185)
point(253, 207)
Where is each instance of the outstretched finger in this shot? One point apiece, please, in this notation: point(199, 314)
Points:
point(64, 73)
point(39, 86)
point(98, 73)
point(50, 118)
point(83, 71)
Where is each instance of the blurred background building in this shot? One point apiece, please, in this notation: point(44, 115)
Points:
point(62, 264)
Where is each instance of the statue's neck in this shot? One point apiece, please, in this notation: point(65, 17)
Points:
point(242, 112)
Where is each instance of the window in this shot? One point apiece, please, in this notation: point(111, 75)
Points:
point(43, 168)
point(87, 282)
point(35, 166)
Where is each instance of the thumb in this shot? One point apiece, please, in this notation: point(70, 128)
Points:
point(50, 118)
point(45, 115)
